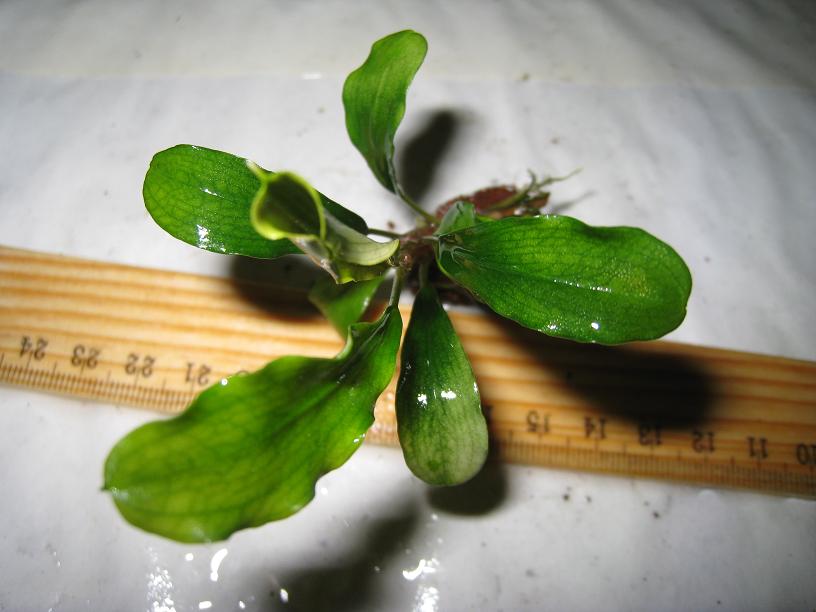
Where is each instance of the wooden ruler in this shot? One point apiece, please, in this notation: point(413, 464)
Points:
point(154, 339)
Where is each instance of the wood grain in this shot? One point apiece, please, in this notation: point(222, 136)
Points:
point(153, 339)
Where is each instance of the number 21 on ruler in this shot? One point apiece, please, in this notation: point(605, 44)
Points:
point(197, 374)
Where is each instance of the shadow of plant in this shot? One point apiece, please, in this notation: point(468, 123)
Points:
point(420, 156)
point(278, 286)
point(480, 495)
point(562, 207)
point(347, 583)
point(629, 381)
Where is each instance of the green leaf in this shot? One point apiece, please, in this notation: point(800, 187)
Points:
point(374, 99)
point(286, 206)
point(351, 246)
point(250, 449)
point(203, 197)
point(344, 215)
point(459, 216)
point(564, 278)
point(344, 304)
point(439, 415)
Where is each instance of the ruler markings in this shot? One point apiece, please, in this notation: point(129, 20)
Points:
point(117, 342)
point(254, 337)
point(136, 327)
point(24, 257)
point(263, 357)
point(546, 398)
point(753, 379)
point(104, 312)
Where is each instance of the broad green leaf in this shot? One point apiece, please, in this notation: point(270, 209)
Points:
point(441, 428)
point(374, 99)
point(344, 304)
point(286, 206)
point(250, 449)
point(459, 216)
point(203, 197)
point(564, 278)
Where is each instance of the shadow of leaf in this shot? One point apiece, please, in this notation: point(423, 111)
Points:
point(347, 583)
point(420, 156)
point(562, 207)
point(640, 384)
point(480, 495)
point(278, 286)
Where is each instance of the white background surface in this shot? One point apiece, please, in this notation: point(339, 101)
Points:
point(693, 120)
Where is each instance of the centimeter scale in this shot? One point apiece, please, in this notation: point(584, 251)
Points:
point(154, 339)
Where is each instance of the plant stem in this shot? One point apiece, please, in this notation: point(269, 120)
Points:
point(396, 288)
point(384, 233)
point(534, 186)
point(417, 208)
point(516, 197)
point(423, 274)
